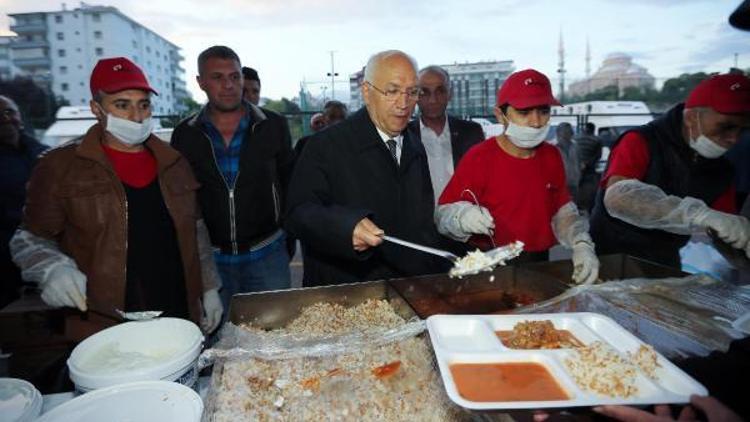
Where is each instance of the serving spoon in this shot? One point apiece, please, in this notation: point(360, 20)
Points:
point(486, 260)
point(139, 315)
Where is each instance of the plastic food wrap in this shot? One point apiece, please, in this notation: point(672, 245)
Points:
point(316, 371)
point(649, 207)
point(679, 317)
point(570, 227)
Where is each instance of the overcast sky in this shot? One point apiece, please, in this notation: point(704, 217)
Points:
point(288, 41)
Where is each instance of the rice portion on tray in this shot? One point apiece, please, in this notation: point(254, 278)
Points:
point(392, 381)
point(599, 369)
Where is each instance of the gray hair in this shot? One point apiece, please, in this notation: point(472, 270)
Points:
point(377, 58)
point(10, 102)
point(438, 70)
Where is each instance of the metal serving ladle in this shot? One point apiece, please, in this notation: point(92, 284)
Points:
point(493, 256)
point(139, 315)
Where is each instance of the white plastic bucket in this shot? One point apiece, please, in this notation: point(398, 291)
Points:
point(143, 401)
point(20, 401)
point(159, 349)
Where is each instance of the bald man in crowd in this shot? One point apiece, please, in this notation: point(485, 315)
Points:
point(364, 177)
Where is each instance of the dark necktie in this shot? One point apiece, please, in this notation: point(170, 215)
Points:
point(392, 147)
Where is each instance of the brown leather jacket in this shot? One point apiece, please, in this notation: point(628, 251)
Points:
point(76, 199)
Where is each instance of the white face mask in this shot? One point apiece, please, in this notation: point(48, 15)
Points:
point(129, 132)
point(704, 146)
point(526, 136)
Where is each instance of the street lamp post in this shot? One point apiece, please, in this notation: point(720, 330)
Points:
point(333, 75)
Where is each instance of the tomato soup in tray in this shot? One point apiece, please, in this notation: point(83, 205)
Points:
point(515, 381)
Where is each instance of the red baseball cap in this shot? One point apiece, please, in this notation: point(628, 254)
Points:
point(726, 94)
point(525, 89)
point(117, 74)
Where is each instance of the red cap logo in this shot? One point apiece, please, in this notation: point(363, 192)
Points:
point(526, 89)
point(726, 94)
point(117, 74)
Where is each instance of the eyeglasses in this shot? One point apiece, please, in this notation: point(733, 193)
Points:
point(392, 94)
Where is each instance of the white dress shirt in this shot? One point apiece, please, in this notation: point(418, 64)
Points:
point(439, 155)
point(399, 142)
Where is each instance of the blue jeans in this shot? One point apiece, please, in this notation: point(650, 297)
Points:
point(254, 271)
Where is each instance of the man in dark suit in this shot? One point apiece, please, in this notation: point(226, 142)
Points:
point(364, 177)
point(445, 138)
point(18, 155)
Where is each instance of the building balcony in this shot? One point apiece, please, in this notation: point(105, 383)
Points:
point(180, 93)
point(30, 28)
point(20, 44)
point(32, 62)
point(176, 55)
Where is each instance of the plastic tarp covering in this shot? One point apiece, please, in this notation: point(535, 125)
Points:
point(238, 343)
point(386, 373)
point(649, 207)
point(570, 227)
point(679, 317)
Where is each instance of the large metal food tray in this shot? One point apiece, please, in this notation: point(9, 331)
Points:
point(275, 309)
point(506, 288)
point(499, 291)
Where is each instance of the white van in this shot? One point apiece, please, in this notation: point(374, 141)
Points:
point(611, 118)
point(74, 121)
point(490, 129)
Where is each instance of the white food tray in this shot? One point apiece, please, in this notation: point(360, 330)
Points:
point(472, 339)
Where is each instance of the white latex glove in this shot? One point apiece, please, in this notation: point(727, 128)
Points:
point(212, 309)
point(476, 220)
point(585, 263)
point(733, 229)
point(64, 286)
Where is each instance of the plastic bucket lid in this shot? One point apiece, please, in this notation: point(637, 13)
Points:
point(142, 401)
point(20, 401)
point(162, 348)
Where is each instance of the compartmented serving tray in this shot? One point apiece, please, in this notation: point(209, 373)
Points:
point(467, 339)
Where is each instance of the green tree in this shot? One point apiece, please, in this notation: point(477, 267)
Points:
point(608, 93)
point(191, 106)
point(676, 90)
point(291, 111)
point(37, 105)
